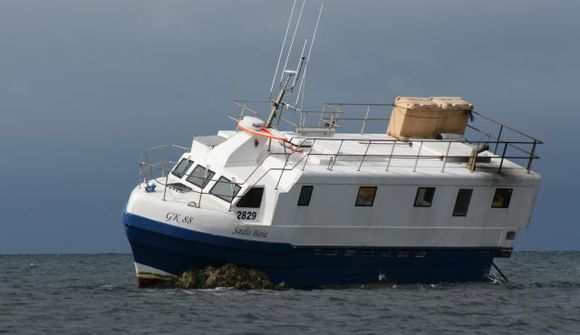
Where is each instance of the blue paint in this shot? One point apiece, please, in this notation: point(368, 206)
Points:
point(175, 250)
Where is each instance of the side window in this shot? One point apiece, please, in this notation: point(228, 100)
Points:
point(182, 167)
point(462, 202)
point(366, 196)
point(501, 198)
point(305, 195)
point(225, 189)
point(424, 196)
point(252, 198)
point(200, 176)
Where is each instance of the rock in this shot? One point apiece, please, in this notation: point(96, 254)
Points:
point(228, 275)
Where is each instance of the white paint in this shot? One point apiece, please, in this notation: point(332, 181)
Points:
point(332, 219)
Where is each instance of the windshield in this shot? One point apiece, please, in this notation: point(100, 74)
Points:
point(225, 189)
point(182, 167)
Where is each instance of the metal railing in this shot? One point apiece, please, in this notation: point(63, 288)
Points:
point(471, 160)
point(336, 112)
point(497, 135)
point(505, 142)
point(157, 162)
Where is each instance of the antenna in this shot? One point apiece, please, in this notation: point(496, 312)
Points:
point(293, 37)
point(289, 79)
point(298, 96)
point(282, 48)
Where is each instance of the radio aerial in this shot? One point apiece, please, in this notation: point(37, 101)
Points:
point(289, 78)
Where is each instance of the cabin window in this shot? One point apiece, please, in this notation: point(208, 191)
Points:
point(424, 196)
point(225, 189)
point(462, 202)
point(182, 167)
point(305, 195)
point(501, 198)
point(366, 196)
point(252, 198)
point(200, 176)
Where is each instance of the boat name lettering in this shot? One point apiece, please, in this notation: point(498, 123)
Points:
point(246, 231)
point(178, 218)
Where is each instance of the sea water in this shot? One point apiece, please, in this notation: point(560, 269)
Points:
point(97, 294)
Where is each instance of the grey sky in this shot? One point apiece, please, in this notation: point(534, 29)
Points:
point(86, 85)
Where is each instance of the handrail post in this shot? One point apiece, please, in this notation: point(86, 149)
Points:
point(282, 172)
point(335, 157)
point(233, 188)
point(532, 154)
point(445, 157)
point(498, 139)
point(308, 154)
point(242, 109)
point(418, 155)
point(165, 188)
point(502, 157)
point(203, 182)
point(148, 170)
point(140, 181)
point(391, 156)
point(364, 156)
point(388, 119)
point(364, 124)
point(162, 156)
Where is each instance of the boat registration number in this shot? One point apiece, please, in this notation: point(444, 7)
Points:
point(178, 218)
point(246, 215)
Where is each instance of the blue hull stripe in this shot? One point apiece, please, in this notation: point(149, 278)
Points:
point(175, 250)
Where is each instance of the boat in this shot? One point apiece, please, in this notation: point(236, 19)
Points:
point(426, 190)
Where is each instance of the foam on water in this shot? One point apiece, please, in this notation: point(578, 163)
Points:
point(72, 294)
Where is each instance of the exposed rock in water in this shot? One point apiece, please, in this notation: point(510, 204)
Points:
point(229, 275)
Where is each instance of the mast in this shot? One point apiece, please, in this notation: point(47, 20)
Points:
point(290, 78)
